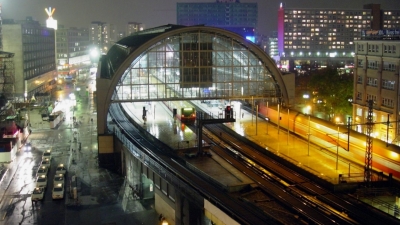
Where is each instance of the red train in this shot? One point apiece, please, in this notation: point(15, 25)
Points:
point(188, 114)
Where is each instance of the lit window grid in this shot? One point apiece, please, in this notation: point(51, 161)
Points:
point(235, 70)
point(304, 29)
point(391, 19)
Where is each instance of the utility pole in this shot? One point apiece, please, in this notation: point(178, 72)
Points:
point(368, 152)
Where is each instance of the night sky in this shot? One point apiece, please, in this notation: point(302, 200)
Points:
point(152, 13)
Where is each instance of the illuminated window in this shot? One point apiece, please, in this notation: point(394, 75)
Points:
point(388, 84)
point(371, 81)
point(359, 79)
point(359, 96)
point(388, 102)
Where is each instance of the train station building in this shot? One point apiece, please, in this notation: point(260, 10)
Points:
point(177, 63)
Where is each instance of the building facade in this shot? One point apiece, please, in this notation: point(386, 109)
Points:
point(72, 50)
point(273, 44)
point(102, 35)
point(34, 56)
point(376, 77)
point(321, 37)
point(133, 27)
point(231, 15)
point(7, 75)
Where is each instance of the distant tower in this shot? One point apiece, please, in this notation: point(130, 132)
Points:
point(281, 16)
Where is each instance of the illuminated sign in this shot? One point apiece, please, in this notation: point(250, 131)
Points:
point(50, 12)
point(251, 38)
point(50, 22)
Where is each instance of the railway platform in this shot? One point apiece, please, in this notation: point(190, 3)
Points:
point(297, 150)
point(327, 165)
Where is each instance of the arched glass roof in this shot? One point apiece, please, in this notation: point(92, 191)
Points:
point(191, 65)
point(187, 63)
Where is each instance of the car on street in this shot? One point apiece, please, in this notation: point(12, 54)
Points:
point(46, 163)
point(47, 155)
point(27, 147)
point(61, 169)
point(58, 179)
point(42, 171)
point(58, 192)
point(41, 181)
point(37, 194)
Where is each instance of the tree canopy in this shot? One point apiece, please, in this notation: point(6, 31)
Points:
point(334, 88)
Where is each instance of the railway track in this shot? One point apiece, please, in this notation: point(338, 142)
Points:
point(151, 151)
point(328, 207)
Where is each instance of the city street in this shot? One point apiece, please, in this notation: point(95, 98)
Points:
point(100, 192)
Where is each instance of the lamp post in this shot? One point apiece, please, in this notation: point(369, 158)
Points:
point(337, 149)
point(279, 118)
point(288, 125)
point(256, 119)
point(309, 130)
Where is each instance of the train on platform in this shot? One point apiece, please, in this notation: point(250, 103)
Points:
point(386, 156)
point(188, 115)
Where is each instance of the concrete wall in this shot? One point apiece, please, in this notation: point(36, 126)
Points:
point(12, 42)
point(164, 207)
point(216, 215)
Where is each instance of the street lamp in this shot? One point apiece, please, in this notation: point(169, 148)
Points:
point(309, 130)
point(337, 119)
point(309, 109)
point(337, 149)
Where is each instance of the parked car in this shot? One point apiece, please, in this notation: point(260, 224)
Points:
point(61, 169)
point(47, 155)
point(58, 179)
point(42, 171)
point(46, 162)
point(37, 194)
point(58, 192)
point(41, 181)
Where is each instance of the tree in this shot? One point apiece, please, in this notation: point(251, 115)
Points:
point(334, 88)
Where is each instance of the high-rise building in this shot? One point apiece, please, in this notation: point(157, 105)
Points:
point(273, 44)
point(102, 35)
point(133, 27)
point(231, 15)
point(326, 36)
point(34, 56)
point(376, 78)
point(72, 50)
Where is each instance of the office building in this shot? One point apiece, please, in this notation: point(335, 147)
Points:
point(376, 77)
point(102, 35)
point(321, 37)
point(231, 15)
point(133, 27)
point(34, 56)
point(273, 44)
point(72, 50)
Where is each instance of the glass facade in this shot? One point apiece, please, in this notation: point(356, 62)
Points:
point(196, 65)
